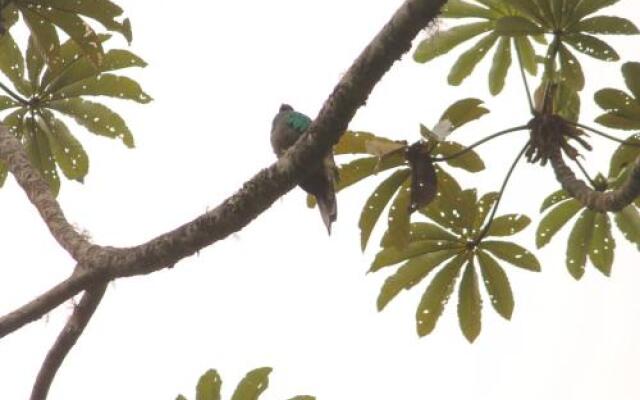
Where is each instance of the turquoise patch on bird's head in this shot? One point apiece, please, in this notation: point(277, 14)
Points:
point(298, 121)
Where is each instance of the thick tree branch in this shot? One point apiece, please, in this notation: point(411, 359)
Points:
point(614, 200)
point(68, 337)
point(259, 193)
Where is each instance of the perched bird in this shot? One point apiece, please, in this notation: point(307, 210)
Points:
point(288, 126)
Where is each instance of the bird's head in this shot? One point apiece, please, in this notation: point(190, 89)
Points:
point(285, 107)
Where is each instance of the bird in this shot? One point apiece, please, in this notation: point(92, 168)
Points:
point(288, 126)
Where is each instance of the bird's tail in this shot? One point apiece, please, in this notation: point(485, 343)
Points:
point(328, 207)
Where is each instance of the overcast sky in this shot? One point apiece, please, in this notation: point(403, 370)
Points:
point(281, 293)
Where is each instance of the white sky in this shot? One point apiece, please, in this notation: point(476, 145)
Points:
point(280, 293)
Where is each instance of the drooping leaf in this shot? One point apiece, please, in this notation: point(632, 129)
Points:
point(66, 149)
point(96, 118)
point(411, 273)
point(512, 253)
point(500, 66)
point(464, 111)
point(517, 26)
point(507, 225)
point(497, 284)
point(39, 150)
point(377, 202)
point(628, 221)
point(208, 387)
point(252, 385)
point(591, 46)
point(570, 69)
point(35, 64)
point(399, 217)
point(579, 243)
point(602, 246)
point(44, 37)
point(470, 303)
point(442, 42)
point(555, 220)
point(467, 62)
point(443, 210)
point(437, 295)
point(527, 54)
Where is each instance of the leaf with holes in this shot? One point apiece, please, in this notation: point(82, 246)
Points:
point(252, 385)
point(464, 111)
point(507, 225)
point(628, 221)
point(555, 220)
point(513, 254)
point(497, 284)
point(579, 243)
point(602, 246)
point(470, 303)
point(209, 385)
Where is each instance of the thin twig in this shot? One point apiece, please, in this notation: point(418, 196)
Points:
point(68, 337)
point(478, 143)
point(605, 135)
point(486, 228)
point(585, 173)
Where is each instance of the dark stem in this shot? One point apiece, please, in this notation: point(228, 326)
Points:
point(605, 135)
point(478, 143)
point(485, 230)
point(13, 94)
point(524, 79)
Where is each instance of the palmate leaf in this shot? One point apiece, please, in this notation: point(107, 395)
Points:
point(554, 198)
point(119, 87)
point(628, 221)
point(7, 103)
point(463, 9)
point(35, 64)
point(602, 246)
point(38, 149)
point(469, 161)
point(209, 385)
point(12, 62)
point(606, 25)
point(579, 243)
point(464, 111)
point(500, 66)
point(497, 284)
point(517, 26)
point(442, 42)
point(399, 216)
point(66, 149)
point(467, 62)
point(591, 46)
point(555, 220)
point(393, 255)
point(507, 225)
point(513, 254)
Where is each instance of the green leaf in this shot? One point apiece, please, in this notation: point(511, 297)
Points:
point(181, 397)
point(467, 62)
point(420, 231)
point(570, 69)
point(507, 225)
point(44, 36)
point(437, 295)
point(631, 73)
point(9, 15)
point(411, 273)
point(11, 61)
point(470, 303)
point(39, 150)
point(527, 54)
point(77, 29)
point(602, 247)
point(462, 9)
point(7, 103)
point(443, 210)
point(96, 118)
point(469, 161)
point(252, 385)
point(443, 42)
point(586, 7)
point(512, 253)
point(399, 217)
point(377, 202)
point(393, 255)
point(617, 121)
point(105, 85)
point(103, 11)
point(567, 103)
point(67, 150)
point(628, 221)
point(352, 142)
point(528, 9)
point(208, 387)
point(464, 111)
point(555, 220)
point(14, 122)
point(579, 243)
point(554, 198)
point(516, 26)
point(500, 66)
point(618, 102)
point(303, 398)
point(35, 64)
point(605, 25)
point(497, 284)
point(591, 46)
point(483, 207)
point(361, 168)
